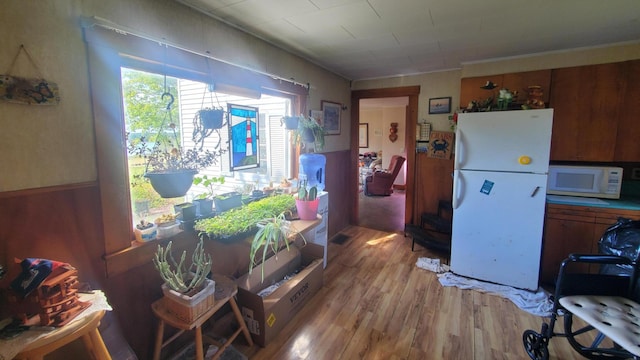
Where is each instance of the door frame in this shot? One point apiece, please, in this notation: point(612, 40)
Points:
point(412, 92)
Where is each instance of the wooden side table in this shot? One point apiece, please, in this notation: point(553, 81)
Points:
point(226, 290)
point(86, 328)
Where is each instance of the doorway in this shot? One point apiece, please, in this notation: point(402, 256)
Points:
point(379, 139)
point(409, 95)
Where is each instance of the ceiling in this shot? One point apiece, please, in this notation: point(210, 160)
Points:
point(365, 39)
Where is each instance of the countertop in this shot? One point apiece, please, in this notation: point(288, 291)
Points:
point(626, 203)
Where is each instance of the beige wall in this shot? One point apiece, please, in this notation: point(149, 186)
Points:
point(447, 83)
point(54, 145)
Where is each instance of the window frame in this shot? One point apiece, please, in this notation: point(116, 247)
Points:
point(107, 52)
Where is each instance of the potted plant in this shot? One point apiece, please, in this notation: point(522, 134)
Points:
point(289, 122)
point(209, 118)
point(227, 201)
point(204, 201)
point(272, 234)
point(307, 202)
point(240, 222)
point(188, 291)
point(309, 131)
point(169, 167)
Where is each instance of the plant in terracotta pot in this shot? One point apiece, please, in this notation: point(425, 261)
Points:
point(188, 290)
point(309, 131)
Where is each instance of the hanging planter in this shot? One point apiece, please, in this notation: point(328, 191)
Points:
point(289, 122)
point(171, 184)
point(210, 119)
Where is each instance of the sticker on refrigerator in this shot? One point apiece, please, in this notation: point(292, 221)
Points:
point(486, 187)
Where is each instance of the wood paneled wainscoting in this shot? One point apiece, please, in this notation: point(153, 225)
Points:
point(65, 224)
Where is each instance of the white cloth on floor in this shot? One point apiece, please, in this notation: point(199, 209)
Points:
point(536, 303)
point(431, 265)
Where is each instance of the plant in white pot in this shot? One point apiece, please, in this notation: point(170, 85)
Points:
point(188, 292)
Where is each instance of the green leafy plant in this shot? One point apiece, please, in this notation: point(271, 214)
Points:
point(307, 195)
point(211, 183)
point(244, 219)
point(308, 126)
point(271, 235)
point(176, 275)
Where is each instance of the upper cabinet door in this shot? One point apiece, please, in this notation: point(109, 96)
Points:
point(471, 89)
point(521, 81)
point(627, 147)
point(586, 102)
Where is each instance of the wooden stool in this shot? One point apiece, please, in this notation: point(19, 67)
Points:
point(226, 289)
point(86, 328)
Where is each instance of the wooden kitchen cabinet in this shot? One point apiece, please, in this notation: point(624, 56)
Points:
point(587, 102)
point(470, 88)
point(627, 148)
point(574, 229)
point(434, 182)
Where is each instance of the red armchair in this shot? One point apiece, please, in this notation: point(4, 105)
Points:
point(381, 181)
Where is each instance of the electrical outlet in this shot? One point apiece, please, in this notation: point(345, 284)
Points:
point(635, 174)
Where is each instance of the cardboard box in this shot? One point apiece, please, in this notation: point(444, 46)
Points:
point(265, 317)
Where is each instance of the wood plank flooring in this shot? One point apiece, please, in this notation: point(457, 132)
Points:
point(376, 304)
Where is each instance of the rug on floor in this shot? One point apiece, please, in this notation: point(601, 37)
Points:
point(536, 303)
point(340, 239)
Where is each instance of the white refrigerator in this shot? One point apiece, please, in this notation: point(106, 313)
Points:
point(499, 191)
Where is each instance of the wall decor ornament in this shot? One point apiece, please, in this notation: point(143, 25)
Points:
point(331, 117)
point(363, 135)
point(29, 91)
point(441, 105)
point(393, 132)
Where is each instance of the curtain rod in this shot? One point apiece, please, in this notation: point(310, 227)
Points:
point(88, 22)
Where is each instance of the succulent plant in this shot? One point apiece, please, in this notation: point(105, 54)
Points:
point(178, 277)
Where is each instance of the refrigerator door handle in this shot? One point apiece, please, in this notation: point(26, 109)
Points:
point(535, 191)
point(458, 189)
point(460, 153)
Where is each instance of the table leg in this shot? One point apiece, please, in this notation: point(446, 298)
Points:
point(99, 348)
point(243, 325)
point(159, 335)
point(199, 351)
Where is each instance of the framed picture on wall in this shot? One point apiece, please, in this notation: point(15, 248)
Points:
point(331, 117)
point(363, 135)
point(441, 105)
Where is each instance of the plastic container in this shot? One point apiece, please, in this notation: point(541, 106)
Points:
point(168, 230)
point(312, 168)
point(146, 234)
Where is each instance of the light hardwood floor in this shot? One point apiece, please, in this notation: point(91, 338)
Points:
point(376, 304)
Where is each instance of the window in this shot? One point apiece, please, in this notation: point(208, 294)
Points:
point(144, 114)
point(109, 52)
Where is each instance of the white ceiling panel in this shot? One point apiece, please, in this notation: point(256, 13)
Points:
point(362, 39)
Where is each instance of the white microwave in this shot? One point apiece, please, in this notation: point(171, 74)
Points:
point(588, 181)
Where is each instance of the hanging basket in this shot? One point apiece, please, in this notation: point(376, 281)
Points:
point(211, 119)
point(171, 184)
point(289, 122)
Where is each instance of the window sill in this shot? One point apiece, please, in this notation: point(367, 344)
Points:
point(142, 253)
